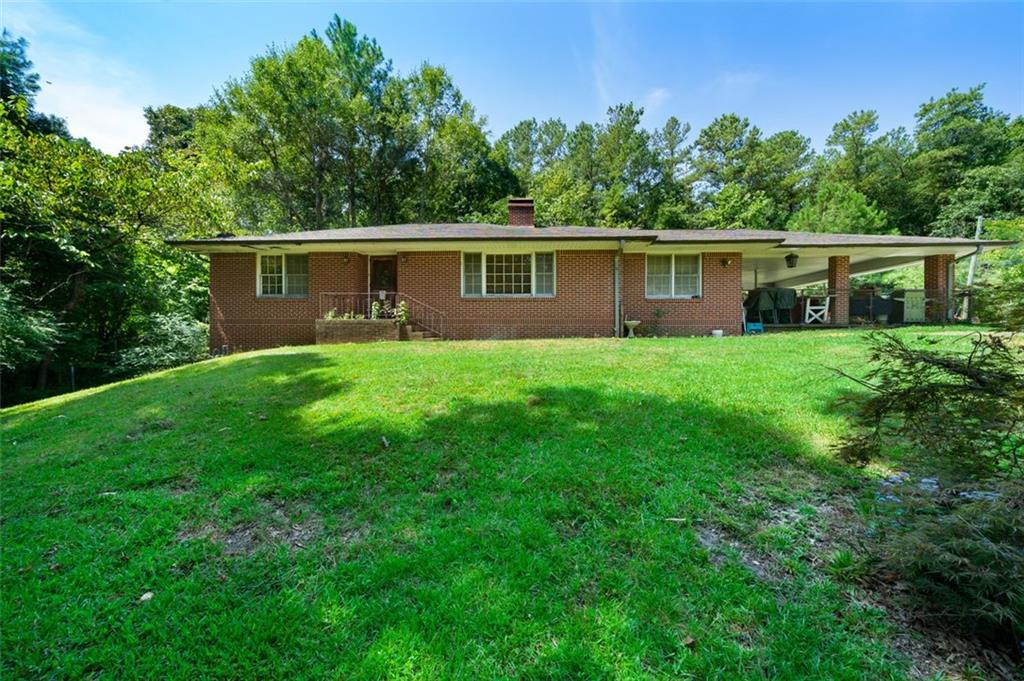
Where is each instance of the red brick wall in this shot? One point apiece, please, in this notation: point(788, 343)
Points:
point(242, 321)
point(355, 330)
point(719, 307)
point(520, 212)
point(583, 304)
point(839, 287)
point(936, 286)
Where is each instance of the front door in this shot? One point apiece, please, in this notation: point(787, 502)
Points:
point(384, 274)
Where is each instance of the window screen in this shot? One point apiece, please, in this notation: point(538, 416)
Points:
point(284, 275)
point(544, 274)
point(659, 275)
point(472, 274)
point(271, 275)
point(687, 276)
point(296, 275)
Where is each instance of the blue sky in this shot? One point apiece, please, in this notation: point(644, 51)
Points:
point(797, 65)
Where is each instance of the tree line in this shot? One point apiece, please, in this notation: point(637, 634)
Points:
point(325, 133)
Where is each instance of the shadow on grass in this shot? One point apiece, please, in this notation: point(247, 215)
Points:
point(609, 449)
point(550, 532)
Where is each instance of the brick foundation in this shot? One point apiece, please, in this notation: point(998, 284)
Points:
point(355, 330)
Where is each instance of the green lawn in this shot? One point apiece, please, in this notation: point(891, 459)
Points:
point(564, 508)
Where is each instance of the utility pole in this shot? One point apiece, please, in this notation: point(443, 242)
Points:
point(972, 268)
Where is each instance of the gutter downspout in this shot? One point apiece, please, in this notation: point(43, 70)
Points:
point(969, 306)
point(618, 289)
point(969, 311)
point(978, 250)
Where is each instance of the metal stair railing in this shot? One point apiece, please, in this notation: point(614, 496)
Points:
point(360, 303)
point(421, 314)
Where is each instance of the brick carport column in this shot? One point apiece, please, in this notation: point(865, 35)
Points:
point(938, 286)
point(839, 288)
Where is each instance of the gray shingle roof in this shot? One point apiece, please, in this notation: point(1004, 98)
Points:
point(472, 232)
point(812, 239)
point(430, 232)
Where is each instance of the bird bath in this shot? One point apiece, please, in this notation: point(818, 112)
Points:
point(631, 326)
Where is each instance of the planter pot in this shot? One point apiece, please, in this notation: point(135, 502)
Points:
point(355, 330)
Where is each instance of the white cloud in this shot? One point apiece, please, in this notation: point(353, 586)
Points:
point(606, 27)
point(100, 97)
point(736, 83)
point(655, 98)
point(31, 19)
point(617, 73)
point(104, 115)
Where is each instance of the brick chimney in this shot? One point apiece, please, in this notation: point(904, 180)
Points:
point(520, 212)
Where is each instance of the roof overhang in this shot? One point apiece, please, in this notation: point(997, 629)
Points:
point(812, 262)
point(763, 256)
point(383, 246)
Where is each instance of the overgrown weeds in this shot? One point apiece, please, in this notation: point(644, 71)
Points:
point(958, 548)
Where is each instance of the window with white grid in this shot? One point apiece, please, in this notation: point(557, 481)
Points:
point(283, 275)
point(659, 276)
point(296, 268)
point(271, 275)
point(544, 274)
point(508, 274)
point(472, 274)
point(686, 278)
point(673, 276)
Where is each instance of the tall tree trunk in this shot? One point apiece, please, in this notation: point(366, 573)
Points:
point(77, 291)
point(318, 184)
point(351, 200)
point(318, 205)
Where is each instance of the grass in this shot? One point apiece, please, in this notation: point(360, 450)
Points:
point(535, 509)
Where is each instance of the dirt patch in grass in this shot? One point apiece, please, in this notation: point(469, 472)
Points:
point(447, 479)
point(339, 546)
point(824, 522)
point(296, 533)
point(719, 546)
point(181, 486)
point(934, 651)
point(148, 426)
point(296, 527)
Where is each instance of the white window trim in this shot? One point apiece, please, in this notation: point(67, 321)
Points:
point(533, 275)
point(672, 278)
point(284, 277)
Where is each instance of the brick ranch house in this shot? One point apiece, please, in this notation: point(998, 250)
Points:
point(480, 281)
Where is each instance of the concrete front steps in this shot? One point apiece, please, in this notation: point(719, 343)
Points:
point(410, 332)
